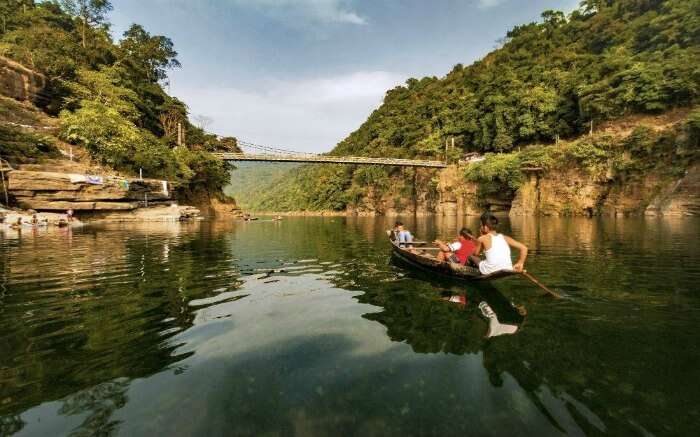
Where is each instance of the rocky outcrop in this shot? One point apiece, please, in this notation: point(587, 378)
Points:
point(573, 192)
point(155, 214)
point(679, 198)
point(211, 204)
point(565, 192)
point(21, 83)
point(414, 195)
point(52, 191)
point(459, 197)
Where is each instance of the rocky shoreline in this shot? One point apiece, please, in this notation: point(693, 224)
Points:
point(91, 198)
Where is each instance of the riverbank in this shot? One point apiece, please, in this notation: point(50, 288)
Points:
point(99, 194)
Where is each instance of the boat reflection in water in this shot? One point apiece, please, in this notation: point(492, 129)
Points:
point(444, 317)
point(496, 327)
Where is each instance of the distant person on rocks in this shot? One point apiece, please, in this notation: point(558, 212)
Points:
point(69, 215)
point(17, 224)
point(459, 250)
point(496, 248)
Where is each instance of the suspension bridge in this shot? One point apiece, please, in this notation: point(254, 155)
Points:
point(273, 154)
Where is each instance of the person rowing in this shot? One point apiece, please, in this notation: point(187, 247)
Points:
point(496, 248)
point(459, 250)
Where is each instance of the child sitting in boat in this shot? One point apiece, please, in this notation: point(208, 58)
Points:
point(402, 235)
point(458, 251)
point(496, 248)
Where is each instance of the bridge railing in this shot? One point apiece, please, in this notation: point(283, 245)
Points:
point(312, 158)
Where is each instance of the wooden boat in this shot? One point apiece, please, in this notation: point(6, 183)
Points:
point(418, 257)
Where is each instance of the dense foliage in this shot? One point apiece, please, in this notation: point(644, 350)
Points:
point(603, 156)
point(549, 80)
point(108, 94)
point(250, 181)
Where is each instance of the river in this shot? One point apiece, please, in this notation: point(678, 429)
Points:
point(307, 327)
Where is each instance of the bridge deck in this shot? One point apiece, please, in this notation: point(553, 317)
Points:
point(320, 159)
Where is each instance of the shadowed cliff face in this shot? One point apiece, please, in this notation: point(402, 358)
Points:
point(21, 83)
point(572, 192)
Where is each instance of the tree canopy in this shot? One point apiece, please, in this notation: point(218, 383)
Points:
point(108, 94)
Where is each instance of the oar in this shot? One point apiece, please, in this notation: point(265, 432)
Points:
point(539, 284)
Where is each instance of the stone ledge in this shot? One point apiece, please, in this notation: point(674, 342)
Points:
point(58, 205)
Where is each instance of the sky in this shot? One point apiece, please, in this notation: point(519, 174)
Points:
point(303, 74)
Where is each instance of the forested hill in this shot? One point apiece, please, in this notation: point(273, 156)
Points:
point(107, 95)
point(549, 80)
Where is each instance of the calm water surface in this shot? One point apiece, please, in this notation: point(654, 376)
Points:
point(306, 327)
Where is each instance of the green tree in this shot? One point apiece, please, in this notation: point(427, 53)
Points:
point(149, 56)
point(103, 86)
point(10, 10)
point(90, 12)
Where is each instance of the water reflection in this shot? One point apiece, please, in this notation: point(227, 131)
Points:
point(305, 327)
point(84, 307)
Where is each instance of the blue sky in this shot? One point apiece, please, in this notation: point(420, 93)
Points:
point(306, 73)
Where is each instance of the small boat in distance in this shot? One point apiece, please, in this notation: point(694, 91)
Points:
point(419, 257)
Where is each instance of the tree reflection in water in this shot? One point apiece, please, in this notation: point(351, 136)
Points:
point(100, 402)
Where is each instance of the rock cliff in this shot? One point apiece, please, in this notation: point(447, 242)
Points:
point(414, 193)
point(565, 192)
point(457, 196)
point(52, 191)
point(573, 192)
point(679, 198)
point(21, 83)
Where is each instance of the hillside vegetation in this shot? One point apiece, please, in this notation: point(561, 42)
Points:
point(550, 80)
point(250, 181)
point(107, 94)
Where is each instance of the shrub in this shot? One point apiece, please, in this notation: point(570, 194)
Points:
point(496, 171)
point(17, 146)
point(116, 141)
point(590, 153)
point(197, 168)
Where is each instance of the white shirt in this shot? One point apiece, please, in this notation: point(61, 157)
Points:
point(497, 257)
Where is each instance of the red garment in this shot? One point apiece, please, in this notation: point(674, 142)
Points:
point(467, 249)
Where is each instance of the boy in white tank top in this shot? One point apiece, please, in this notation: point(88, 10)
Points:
point(496, 248)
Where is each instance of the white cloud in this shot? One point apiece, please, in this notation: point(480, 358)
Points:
point(310, 115)
point(322, 11)
point(485, 4)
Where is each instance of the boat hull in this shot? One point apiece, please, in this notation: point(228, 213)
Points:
point(450, 270)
